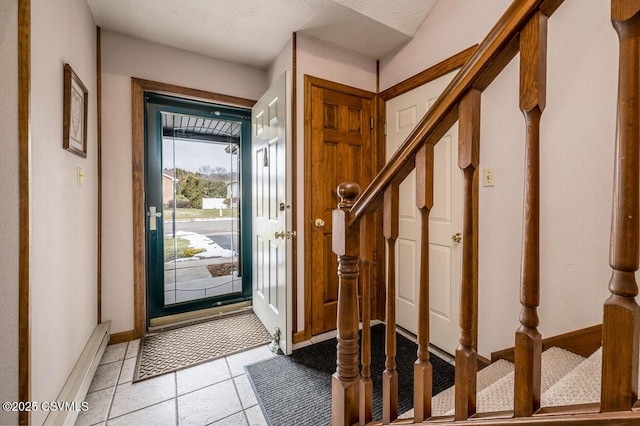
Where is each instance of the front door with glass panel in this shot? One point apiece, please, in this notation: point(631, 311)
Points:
point(194, 195)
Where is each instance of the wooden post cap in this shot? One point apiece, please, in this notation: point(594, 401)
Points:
point(348, 193)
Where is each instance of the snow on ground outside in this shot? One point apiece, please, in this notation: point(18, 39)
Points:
point(199, 241)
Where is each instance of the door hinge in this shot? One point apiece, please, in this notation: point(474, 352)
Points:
point(385, 129)
point(372, 123)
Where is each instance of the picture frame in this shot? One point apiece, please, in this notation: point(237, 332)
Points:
point(76, 103)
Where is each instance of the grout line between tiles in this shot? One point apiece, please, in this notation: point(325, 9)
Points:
point(142, 408)
point(244, 411)
point(115, 388)
point(175, 378)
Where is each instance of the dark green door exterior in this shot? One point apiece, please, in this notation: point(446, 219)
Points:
point(184, 255)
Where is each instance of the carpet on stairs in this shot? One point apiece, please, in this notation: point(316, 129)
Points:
point(495, 383)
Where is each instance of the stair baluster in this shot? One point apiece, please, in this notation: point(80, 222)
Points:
point(390, 375)
point(367, 231)
point(528, 341)
point(621, 313)
point(468, 160)
point(345, 383)
point(422, 369)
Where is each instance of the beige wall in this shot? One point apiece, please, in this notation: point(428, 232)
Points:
point(282, 63)
point(320, 60)
point(63, 213)
point(9, 161)
point(578, 132)
point(122, 58)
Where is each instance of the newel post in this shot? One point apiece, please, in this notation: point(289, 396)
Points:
point(620, 326)
point(345, 382)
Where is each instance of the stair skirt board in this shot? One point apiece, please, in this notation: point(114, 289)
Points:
point(75, 389)
point(495, 383)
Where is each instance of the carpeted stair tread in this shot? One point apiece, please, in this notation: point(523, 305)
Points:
point(562, 362)
point(442, 402)
point(581, 386)
point(484, 378)
point(556, 363)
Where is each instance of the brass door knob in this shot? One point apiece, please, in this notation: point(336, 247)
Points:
point(280, 234)
point(457, 237)
point(319, 223)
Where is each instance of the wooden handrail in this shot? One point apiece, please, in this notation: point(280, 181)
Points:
point(494, 53)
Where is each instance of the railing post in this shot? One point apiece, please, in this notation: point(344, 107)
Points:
point(422, 369)
point(620, 328)
point(528, 341)
point(390, 374)
point(345, 242)
point(367, 232)
point(468, 160)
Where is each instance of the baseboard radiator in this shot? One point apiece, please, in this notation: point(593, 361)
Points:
point(75, 389)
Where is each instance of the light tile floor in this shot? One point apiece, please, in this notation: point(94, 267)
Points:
point(215, 393)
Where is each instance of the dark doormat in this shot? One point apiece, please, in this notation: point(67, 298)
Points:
point(296, 390)
point(195, 344)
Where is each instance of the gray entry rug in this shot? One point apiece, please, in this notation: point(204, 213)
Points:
point(296, 390)
point(195, 344)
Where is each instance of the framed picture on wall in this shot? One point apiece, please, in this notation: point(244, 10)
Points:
point(76, 102)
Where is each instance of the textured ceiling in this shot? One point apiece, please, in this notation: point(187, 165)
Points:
point(253, 32)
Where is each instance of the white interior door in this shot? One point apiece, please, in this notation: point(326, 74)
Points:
point(403, 113)
point(272, 239)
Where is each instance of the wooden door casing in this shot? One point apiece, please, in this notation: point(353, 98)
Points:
point(339, 147)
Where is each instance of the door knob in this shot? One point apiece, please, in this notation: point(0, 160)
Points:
point(285, 234)
point(319, 223)
point(457, 237)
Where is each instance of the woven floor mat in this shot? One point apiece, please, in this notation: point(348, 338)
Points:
point(188, 346)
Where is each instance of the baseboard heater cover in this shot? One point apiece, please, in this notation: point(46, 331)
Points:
point(75, 389)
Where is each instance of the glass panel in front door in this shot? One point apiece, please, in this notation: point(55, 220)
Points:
point(200, 204)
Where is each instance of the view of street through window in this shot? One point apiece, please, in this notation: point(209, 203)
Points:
point(200, 216)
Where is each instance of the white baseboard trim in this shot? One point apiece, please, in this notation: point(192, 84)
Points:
point(75, 389)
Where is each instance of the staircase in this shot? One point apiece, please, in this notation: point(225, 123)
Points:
point(551, 387)
point(567, 379)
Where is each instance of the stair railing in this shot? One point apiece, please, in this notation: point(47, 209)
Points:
point(523, 29)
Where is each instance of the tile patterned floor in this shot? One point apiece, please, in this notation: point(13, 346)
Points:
point(215, 393)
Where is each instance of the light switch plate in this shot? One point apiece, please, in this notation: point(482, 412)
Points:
point(489, 177)
point(80, 176)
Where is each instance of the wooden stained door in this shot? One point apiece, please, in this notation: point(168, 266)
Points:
point(338, 147)
point(445, 220)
